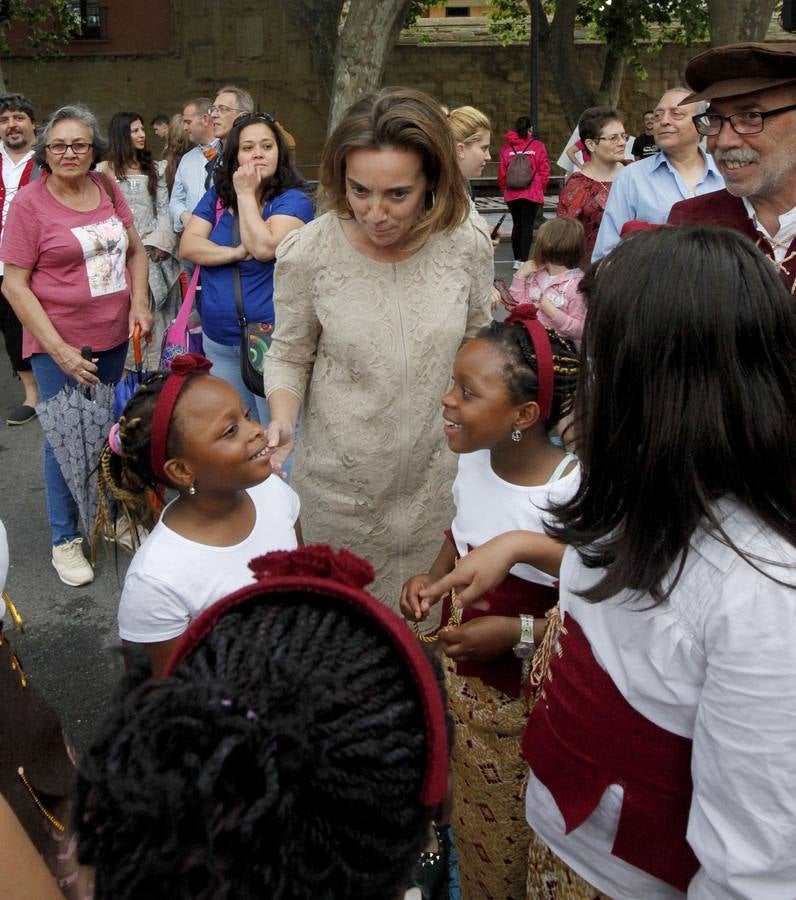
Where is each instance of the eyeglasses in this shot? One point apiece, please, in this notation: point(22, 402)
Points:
point(58, 148)
point(223, 109)
point(749, 122)
point(613, 138)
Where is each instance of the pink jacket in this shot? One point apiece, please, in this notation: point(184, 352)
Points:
point(563, 291)
point(541, 167)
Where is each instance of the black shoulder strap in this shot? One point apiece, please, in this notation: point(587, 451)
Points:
point(236, 274)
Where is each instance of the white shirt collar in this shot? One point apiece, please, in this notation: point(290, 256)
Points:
point(780, 242)
point(7, 161)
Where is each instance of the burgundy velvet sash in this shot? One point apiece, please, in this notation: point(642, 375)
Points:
point(510, 598)
point(583, 736)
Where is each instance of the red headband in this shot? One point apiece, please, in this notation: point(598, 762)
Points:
point(525, 314)
point(181, 368)
point(340, 575)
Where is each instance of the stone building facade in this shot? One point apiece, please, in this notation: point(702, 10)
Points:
point(154, 54)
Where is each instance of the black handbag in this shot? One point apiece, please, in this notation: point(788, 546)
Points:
point(255, 337)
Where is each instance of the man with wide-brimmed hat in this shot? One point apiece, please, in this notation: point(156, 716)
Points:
point(750, 126)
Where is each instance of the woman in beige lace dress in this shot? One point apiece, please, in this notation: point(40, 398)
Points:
point(373, 300)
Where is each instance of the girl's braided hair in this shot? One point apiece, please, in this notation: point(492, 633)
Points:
point(283, 759)
point(513, 341)
point(127, 483)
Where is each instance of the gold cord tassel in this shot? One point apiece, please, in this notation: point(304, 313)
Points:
point(47, 815)
point(541, 659)
point(15, 616)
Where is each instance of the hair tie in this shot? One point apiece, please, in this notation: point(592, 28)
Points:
point(526, 315)
point(181, 367)
point(115, 440)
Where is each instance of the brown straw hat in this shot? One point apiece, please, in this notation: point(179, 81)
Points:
point(738, 69)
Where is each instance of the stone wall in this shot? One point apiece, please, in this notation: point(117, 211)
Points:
point(251, 43)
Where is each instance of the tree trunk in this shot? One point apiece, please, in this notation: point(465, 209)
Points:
point(319, 21)
point(3, 88)
point(613, 72)
point(557, 39)
point(370, 32)
point(732, 21)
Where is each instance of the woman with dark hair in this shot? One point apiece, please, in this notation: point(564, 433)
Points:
point(76, 276)
point(257, 199)
point(374, 300)
point(142, 184)
point(296, 748)
point(524, 196)
point(602, 131)
point(662, 750)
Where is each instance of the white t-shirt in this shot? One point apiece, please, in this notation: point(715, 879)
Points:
point(487, 506)
point(716, 663)
point(12, 175)
point(172, 579)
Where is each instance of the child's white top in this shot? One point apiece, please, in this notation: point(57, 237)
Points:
point(172, 579)
point(487, 506)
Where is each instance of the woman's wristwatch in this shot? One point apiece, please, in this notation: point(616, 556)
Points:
point(525, 647)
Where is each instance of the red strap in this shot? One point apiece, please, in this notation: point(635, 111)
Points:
point(24, 178)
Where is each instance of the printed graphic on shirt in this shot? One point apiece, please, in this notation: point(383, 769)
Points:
point(105, 251)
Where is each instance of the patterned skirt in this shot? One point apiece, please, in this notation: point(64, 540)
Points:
point(550, 878)
point(489, 775)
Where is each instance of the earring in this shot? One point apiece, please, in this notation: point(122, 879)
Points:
point(516, 435)
point(192, 490)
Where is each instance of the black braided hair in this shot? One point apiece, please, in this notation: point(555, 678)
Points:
point(283, 759)
point(514, 342)
point(128, 481)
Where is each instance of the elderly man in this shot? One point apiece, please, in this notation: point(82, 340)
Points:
point(751, 131)
point(648, 189)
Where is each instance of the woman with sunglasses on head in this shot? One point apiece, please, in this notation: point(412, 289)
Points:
point(602, 131)
point(142, 183)
point(257, 198)
point(76, 276)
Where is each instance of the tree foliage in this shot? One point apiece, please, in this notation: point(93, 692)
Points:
point(43, 26)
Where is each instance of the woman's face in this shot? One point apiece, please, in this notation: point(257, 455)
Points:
point(474, 155)
point(74, 161)
point(611, 146)
point(138, 135)
point(258, 145)
point(386, 190)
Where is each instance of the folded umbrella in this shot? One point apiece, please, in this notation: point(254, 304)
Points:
point(76, 422)
point(132, 380)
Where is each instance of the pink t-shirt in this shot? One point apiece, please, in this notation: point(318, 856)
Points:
point(78, 263)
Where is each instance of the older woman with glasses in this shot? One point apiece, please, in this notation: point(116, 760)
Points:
point(602, 131)
point(256, 200)
point(76, 276)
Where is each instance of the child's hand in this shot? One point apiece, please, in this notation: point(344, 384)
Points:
point(482, 639)
point(547, 308)
point(526, 269)
point(412, 607)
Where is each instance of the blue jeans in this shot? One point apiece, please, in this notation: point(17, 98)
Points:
point(61, 507)
point(226, 365)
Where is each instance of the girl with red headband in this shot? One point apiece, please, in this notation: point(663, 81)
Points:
point(190, 432)
point(511, 385)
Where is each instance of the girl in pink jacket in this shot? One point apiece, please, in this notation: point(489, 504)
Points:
point(523, 202)
point(551, 280)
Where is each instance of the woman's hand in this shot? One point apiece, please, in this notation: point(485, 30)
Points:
point(482, 639)
point(412, 608)
point(74, 365)
point(140, 314)
point(247, 178)
point(280, 437)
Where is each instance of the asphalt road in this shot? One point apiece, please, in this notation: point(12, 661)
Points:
point(69, 648)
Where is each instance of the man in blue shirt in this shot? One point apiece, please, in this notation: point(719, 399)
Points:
point(189, 182)
point(647, 190)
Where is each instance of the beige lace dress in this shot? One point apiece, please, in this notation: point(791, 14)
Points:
point(369, 347)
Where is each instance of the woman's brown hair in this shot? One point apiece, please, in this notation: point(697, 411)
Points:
point(408, 120)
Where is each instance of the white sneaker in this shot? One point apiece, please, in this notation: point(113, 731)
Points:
point(123, 536)
point(517, 264)
point(72, 567)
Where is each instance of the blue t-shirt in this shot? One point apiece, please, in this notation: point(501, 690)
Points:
point(219, 316)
